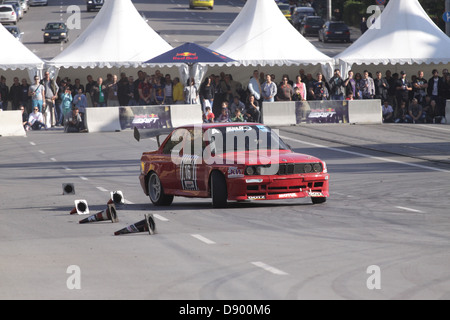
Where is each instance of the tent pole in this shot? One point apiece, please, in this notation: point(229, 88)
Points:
point(447, 24)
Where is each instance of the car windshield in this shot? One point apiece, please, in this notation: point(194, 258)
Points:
point(338, 26)
point(314, 21)
point(243, 138)
point(13, 31)
point(54, 26)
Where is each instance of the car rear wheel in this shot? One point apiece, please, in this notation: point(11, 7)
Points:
point(219, 192)
point(156, 192)
point(318, 200)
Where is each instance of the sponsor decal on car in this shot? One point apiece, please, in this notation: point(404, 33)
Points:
point(315, 194)
point(256, 197)
point(287, 195)
point(235, 172)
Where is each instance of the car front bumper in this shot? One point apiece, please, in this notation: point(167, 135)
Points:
point(278, 187)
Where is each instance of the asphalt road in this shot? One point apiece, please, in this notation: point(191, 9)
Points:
point(172, 19)
point(388, 208)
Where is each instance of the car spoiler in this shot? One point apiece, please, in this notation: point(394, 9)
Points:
point(151, 133)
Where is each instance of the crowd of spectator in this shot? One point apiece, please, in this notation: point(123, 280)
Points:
point(60, 102)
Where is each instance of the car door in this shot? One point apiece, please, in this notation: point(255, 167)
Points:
point(170, 157)
point(190, 169)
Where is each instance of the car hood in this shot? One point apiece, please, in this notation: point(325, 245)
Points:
point(265, 157)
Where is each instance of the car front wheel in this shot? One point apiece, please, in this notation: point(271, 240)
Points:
point(156, 192)
point(219, 192)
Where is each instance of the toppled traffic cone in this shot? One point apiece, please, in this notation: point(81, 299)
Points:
point(109, 214)
point(68, 188)
point(81, 207)
point(117, 197)
point(148, 224)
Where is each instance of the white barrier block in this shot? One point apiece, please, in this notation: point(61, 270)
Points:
point(102, 119)
point(183, 114)
point(278, 113)
point(365, 111)
point(11, 124)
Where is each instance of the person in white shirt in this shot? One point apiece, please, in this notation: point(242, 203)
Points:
point(36, 119)
point(388, 112)
point(254, 87)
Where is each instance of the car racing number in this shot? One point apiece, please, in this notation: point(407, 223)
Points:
point(188, 172)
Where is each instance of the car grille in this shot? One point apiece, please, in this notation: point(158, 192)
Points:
point(299, 168)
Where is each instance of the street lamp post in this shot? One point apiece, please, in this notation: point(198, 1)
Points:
point(330, 10)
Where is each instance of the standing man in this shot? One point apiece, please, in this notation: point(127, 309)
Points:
point(51, 93)
point(254, 86)
point(336, 86)
point(403, 88)
point(4, 93)
point(37, 93)
point(381, 87)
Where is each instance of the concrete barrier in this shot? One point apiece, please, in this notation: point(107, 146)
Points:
point(365, 111)
point(104, 119)
point(183, 114)
point(11, 124)
point(278, 113)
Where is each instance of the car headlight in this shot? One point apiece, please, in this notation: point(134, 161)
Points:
point(46, 34)
point(317, 167)
point(250, 171)
point(63, 34)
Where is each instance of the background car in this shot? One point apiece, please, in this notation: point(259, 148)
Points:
point(56, 31)
point(201, 3)
point(300, 13)
point(285, 9)
point(17, 7)
point(15, 31)
point(334, 31)
point(94, 4)
point(311, 25)
point(38, 3)
point(25, 5)
point(8, 14)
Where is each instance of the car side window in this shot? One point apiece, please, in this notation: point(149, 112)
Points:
point(172, 142)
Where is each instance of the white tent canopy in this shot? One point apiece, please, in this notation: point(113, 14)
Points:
point(261, 35)
point(403, 34)
point(14, 55)
point(117, 37)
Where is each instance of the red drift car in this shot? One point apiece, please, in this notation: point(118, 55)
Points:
point(228, 161)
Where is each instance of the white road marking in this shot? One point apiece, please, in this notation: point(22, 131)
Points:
point(102, 189)
point(83, 178)
point(67, 168)
point(41, 151)
point(53, 159)
point(32, 143)
point(127, 201)
point(409, 209)
point(203, 239)
point(367, 156)
point(269, 268)
point(157, 216)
